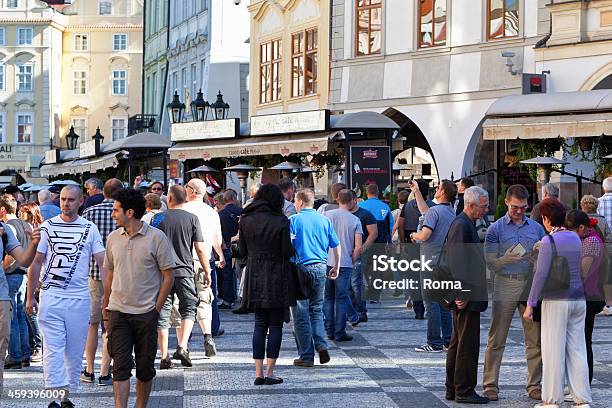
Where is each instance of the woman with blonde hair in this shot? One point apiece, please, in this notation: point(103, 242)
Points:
point(30, 213)
point(589, 205)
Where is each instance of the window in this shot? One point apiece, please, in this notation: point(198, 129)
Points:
point(184, 90)
point(2, 35)
point(369, 27)
point(194, 82)
point(174, 82)
point(270, 71)
point(304, 63)
point(81, 42)
point(120, 42)
point(79, 86)
point(11, 3)
point(24, 36)
point(80, 128)
point(105, 7)
point(2, 125)
point(2, 76)
point(118, 128)
point(24, 128)
point(119, 82)
point(503, 16)
point(432, 23)
point(154, 93)
point(25, 78)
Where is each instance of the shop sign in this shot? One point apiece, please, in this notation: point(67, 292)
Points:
point(206, 130)
point(311, 121)
point(52, 156)
point(89, 149)
point(370, 164)
point(173, 169)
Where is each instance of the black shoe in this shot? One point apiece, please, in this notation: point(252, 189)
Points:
point(165, 364)
point(330, 337)
point(273, 380)
point(219, 333)
point(224, 306)
point(259, 381)
point(298, 362)
point(12, 365)
point(54, 404)
point(105, 380)
point(346, 337)
point(240, 310)
point(420, 316)
point(25, 363)
point(472, 399)
point(210, 350)
point(323, 356)
point(449, 396)
point(67, 404)
point(361, 320)
point(183, 355)
point(374, 301)
point(364, 317)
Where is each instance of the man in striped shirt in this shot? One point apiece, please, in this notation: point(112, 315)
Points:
point(605, 210)
point(100, 215)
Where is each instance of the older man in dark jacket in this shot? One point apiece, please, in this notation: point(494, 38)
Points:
point(467, 263)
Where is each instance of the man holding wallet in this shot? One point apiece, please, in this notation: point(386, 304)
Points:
point(508, 246)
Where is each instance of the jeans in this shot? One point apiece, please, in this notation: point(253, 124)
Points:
point(356, 290)
point(35, 338)
point(216, 322)
point(439, 320)
point(19, 343)
point(229, 283)
point(334, 308)
point(268, 324)
point(307, 315)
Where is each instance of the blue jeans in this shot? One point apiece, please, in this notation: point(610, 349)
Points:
point(230, 282)
point(216, 322)
point(19, 343)
point(356, 290)
point(307, 315)
point(439, 320)
point(334, 308)
point(35, 338)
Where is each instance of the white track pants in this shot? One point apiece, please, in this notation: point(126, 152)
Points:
point(64, 323)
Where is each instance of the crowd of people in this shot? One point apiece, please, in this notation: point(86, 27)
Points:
point(130, 263)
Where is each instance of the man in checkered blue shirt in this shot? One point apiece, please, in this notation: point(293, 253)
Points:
point(100, 215)
point(605, 209)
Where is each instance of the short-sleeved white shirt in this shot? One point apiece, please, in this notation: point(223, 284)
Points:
point(67, 247)
point(209, 222)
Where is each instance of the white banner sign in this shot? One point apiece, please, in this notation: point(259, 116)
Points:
point(212, 129)
point(313, 121)
point(51, 156)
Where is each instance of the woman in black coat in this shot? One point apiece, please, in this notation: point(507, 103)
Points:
point(269, 292)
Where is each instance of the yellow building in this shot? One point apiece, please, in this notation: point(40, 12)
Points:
point(289, 69)
point(101, 67)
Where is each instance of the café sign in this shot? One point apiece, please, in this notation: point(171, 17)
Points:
point(89, 149)
point(310, 121)
point(52, 156)
point(206, 130)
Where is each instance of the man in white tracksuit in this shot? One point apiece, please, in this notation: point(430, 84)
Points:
point(66, 245)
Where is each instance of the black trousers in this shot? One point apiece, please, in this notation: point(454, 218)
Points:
point(268, 323)
point(592, 309)
point(462, 357)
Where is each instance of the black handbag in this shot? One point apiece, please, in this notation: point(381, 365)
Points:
point(559, 274)
point(442, 273)
point(301, 281)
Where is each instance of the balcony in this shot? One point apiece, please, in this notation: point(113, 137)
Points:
point(142, 123)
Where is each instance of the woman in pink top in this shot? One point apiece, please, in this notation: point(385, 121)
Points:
point(591, 268)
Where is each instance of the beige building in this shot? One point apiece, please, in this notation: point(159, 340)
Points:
point(101, 67)
point(289, 69)
point(30, 90)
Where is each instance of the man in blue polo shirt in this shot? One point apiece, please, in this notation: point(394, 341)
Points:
point(312, 236)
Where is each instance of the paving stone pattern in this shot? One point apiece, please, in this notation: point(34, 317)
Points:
point(377, 369)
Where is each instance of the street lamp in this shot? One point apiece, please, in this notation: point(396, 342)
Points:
point(242, 172)
point(199, 108)
point(176, 108)
point(98, 135)
point(220, 107)
point(286, 168)
point(71, 139)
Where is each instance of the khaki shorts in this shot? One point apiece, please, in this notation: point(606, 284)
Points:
point(96, 296)
point(205, 295)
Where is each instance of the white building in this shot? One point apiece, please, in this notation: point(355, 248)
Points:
point(208, 50)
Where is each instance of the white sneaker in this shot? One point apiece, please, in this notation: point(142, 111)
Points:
point(545, 405)
point(606, 311)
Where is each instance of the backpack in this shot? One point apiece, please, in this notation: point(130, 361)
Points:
point(158, 219)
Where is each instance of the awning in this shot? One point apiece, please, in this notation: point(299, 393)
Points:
point(81, 166)
point(312, 143)
point(545, 116)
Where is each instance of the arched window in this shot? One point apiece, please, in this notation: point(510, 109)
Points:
point(502, 19)
point(432, 23)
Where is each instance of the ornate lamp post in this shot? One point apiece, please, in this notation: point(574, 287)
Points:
point(220, 107)
point(71, 139)
point(176, 109)
point(98, 135)
point(199, 108)
point(242, 172)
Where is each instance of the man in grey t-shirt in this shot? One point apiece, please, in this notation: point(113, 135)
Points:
point(438, 220)
point(349, 232)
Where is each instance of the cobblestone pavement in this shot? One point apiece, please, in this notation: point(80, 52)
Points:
point(377, 369)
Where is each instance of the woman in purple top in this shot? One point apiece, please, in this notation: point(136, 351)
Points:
point(563, 314)
point(592, 264)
